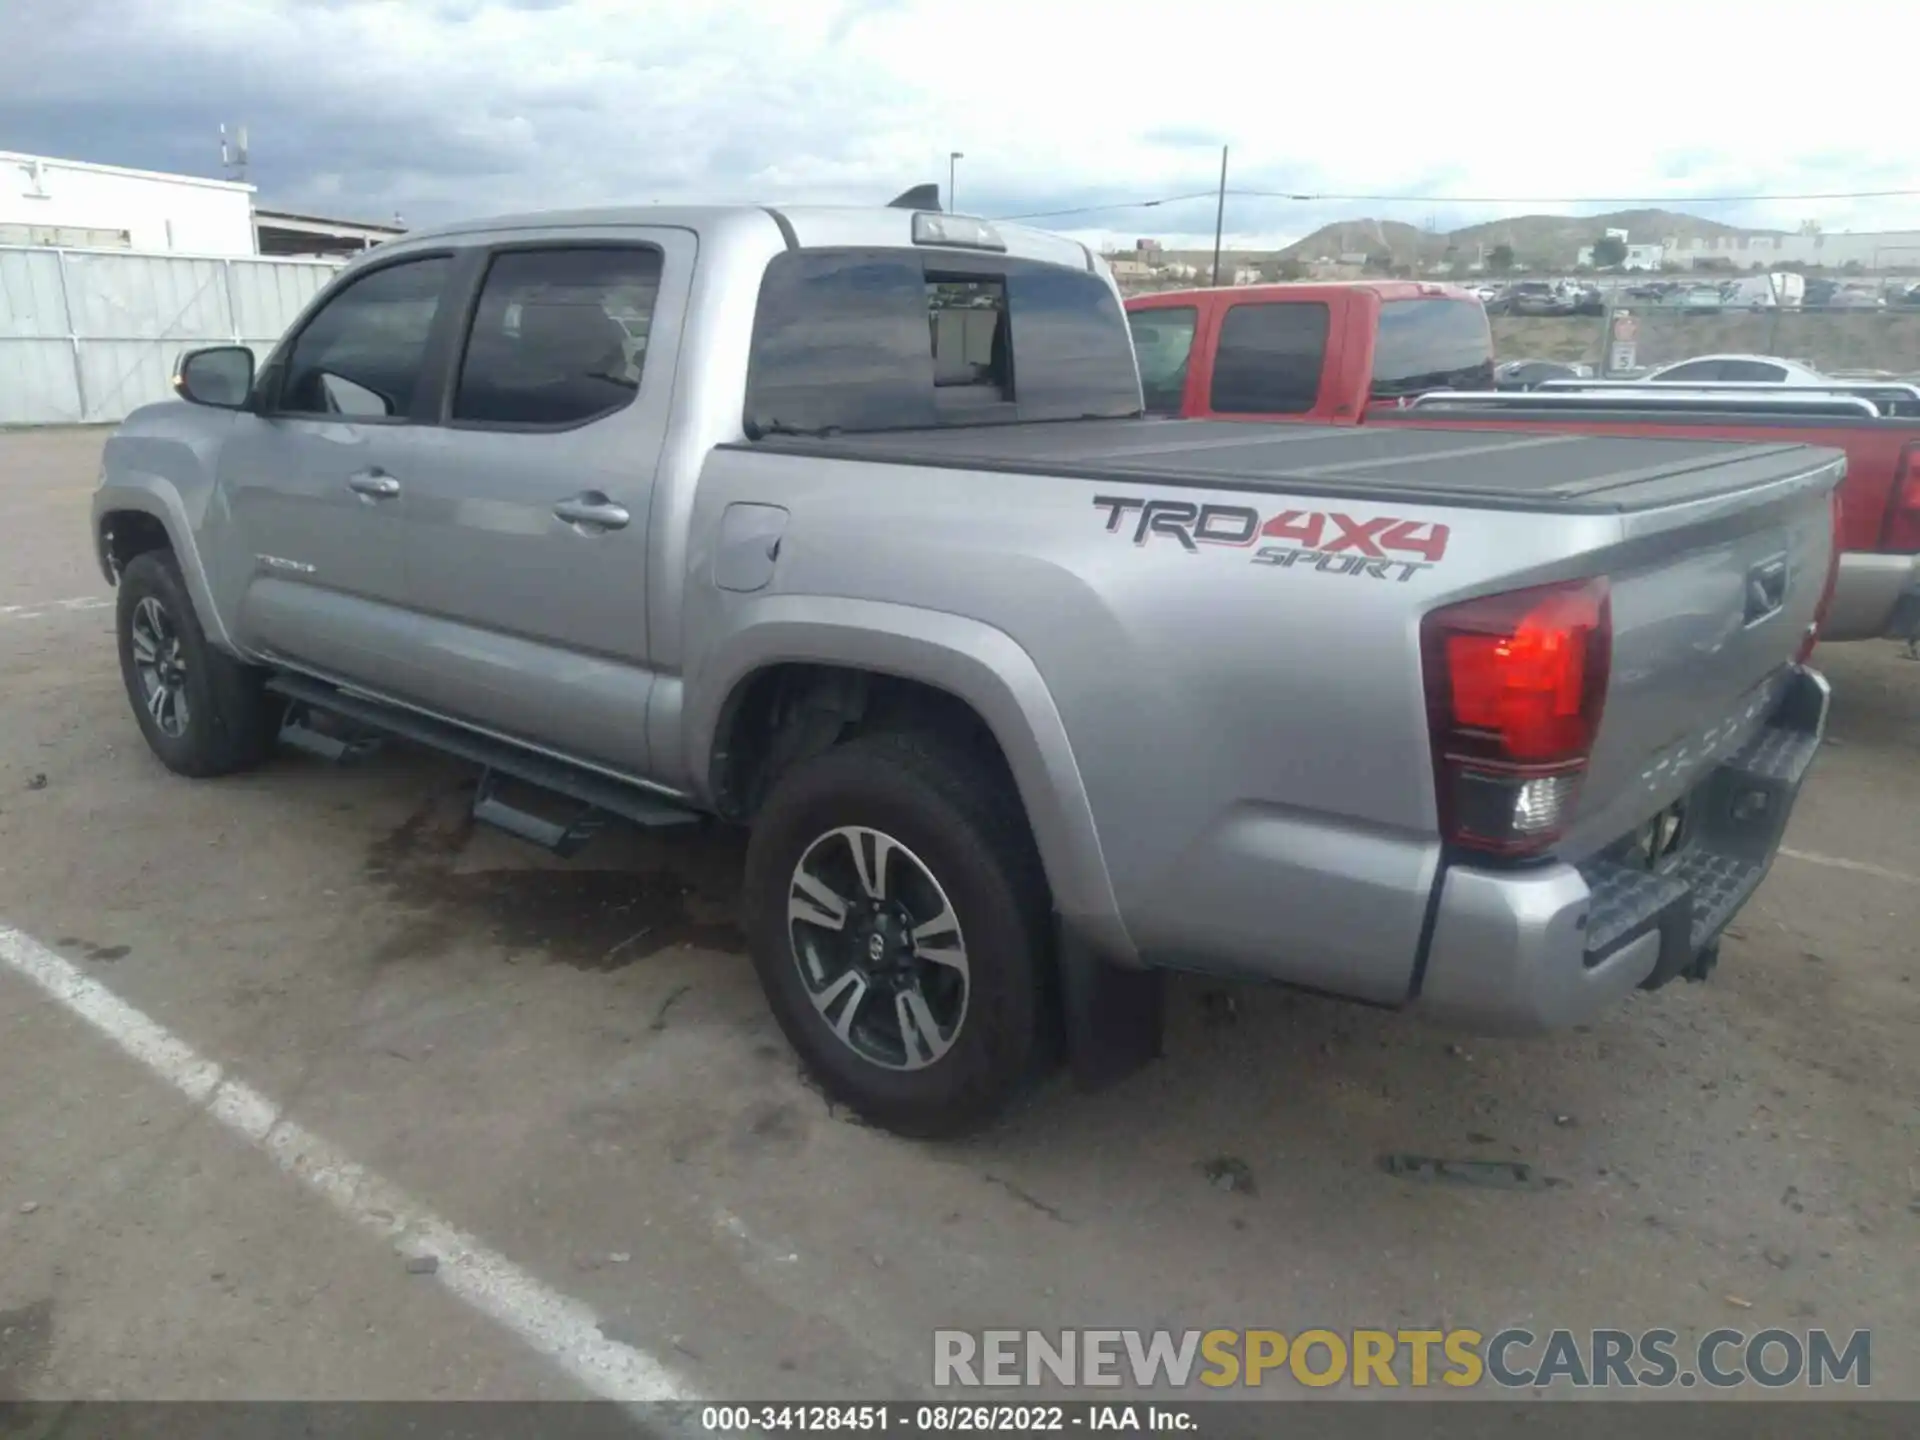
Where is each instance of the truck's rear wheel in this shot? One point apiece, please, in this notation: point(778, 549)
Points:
point(203, 712)
point(897, 917)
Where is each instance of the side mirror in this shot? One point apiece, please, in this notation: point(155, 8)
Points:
point(220, 376)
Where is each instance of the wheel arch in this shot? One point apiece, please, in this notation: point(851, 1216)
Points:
point(132, 518)
point(851, 652)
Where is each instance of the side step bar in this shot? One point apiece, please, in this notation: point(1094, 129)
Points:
point(600, 794)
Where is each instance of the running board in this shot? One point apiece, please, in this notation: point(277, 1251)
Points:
point(299, 730)
point(599, 793)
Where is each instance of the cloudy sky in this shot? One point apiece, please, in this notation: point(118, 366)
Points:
point(440, 108)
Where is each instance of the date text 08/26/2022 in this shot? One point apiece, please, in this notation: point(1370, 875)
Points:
point(950, 1418)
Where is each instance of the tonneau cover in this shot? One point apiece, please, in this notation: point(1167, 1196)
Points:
point(1497, 469)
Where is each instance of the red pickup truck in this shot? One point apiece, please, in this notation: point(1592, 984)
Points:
point(1358, 353)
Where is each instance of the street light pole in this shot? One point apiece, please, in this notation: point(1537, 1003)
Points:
point(953, 158)
point(1219, 214)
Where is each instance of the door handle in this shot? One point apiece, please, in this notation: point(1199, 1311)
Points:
point(594, 511)
point(374, 483)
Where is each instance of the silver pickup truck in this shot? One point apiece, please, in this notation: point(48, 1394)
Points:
point(844, 525)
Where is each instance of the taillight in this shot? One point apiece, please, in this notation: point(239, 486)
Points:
point(1515, 685)
point(1901, 533)
point(1837, 512)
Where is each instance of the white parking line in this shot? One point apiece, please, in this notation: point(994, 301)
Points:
point(44, 608)
point(1859, 867)
point(555, 1325)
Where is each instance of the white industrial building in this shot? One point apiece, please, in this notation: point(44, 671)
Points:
point(1869, 250)
point(44, 201)
point(77, 205)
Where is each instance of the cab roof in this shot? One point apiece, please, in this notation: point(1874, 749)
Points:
point(803, 226)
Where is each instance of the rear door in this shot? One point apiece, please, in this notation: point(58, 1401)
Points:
point(317, 480)
point(528, 522)
point(1273, 360)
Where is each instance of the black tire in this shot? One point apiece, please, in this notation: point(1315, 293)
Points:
point(230, 720)
point(957, 816)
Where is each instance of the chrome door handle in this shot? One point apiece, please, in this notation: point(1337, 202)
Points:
point(376, 483)
point(594, 511)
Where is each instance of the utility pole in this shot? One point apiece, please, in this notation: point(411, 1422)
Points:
point(1220, 215)
point(954, 157)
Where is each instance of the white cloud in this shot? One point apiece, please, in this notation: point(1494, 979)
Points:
point(468, 106)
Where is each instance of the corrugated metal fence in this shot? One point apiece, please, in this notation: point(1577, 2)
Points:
point(88, 335)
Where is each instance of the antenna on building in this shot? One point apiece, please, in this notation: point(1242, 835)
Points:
point(233, 153)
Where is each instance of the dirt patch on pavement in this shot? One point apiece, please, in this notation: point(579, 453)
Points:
point(670, 893)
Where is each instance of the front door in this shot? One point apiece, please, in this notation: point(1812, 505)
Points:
point(527, 510)
point(317, 480)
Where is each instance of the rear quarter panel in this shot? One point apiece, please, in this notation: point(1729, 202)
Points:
point(1248, 722)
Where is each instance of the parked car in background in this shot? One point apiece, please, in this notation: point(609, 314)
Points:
point(1698, 300)
point(1855, 297)
point(1781, 288)
point(1525, 374)
point(1587, 299)
point(1537, 297)
point(1726, 369)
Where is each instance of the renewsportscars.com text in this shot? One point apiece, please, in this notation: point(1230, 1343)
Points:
point(1418, 1359)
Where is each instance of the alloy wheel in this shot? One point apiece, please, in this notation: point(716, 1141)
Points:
point(878, 947)
point(161, 664)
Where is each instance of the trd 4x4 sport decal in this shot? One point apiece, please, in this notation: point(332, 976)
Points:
point(1329, 542)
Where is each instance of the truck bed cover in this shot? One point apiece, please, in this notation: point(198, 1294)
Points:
point(1488, 469)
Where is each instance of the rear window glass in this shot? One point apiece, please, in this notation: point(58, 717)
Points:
point(1163, 341)
point(1269, 359)
point(849, 340)
point(1431, 345)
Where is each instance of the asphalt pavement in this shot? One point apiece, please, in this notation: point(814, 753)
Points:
point(343, 1098)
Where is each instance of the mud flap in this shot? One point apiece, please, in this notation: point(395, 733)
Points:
point(1115, 1016)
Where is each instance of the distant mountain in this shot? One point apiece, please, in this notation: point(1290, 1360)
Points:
point(1368, 237)
point(1539, 240)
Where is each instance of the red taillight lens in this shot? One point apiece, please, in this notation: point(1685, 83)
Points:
point(1515, 686)
point(1901, 533)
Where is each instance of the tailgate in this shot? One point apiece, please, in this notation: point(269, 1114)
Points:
point(1711, 602)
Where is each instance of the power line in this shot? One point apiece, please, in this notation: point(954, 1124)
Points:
point(1467, 200)
point(1117, 205)
point(1591, 199)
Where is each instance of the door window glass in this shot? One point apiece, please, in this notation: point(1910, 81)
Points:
point(362, 354)
point(559, 336)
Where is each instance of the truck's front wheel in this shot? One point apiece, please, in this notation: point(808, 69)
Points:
point(203, 712)
point(897, 917)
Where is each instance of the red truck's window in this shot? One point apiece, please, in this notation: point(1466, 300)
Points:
point(1163, 339)
point(1269, 359)
point(1431, 345)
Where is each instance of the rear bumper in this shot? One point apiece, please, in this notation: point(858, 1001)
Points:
point(1867, 594)
point(1520, 951)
